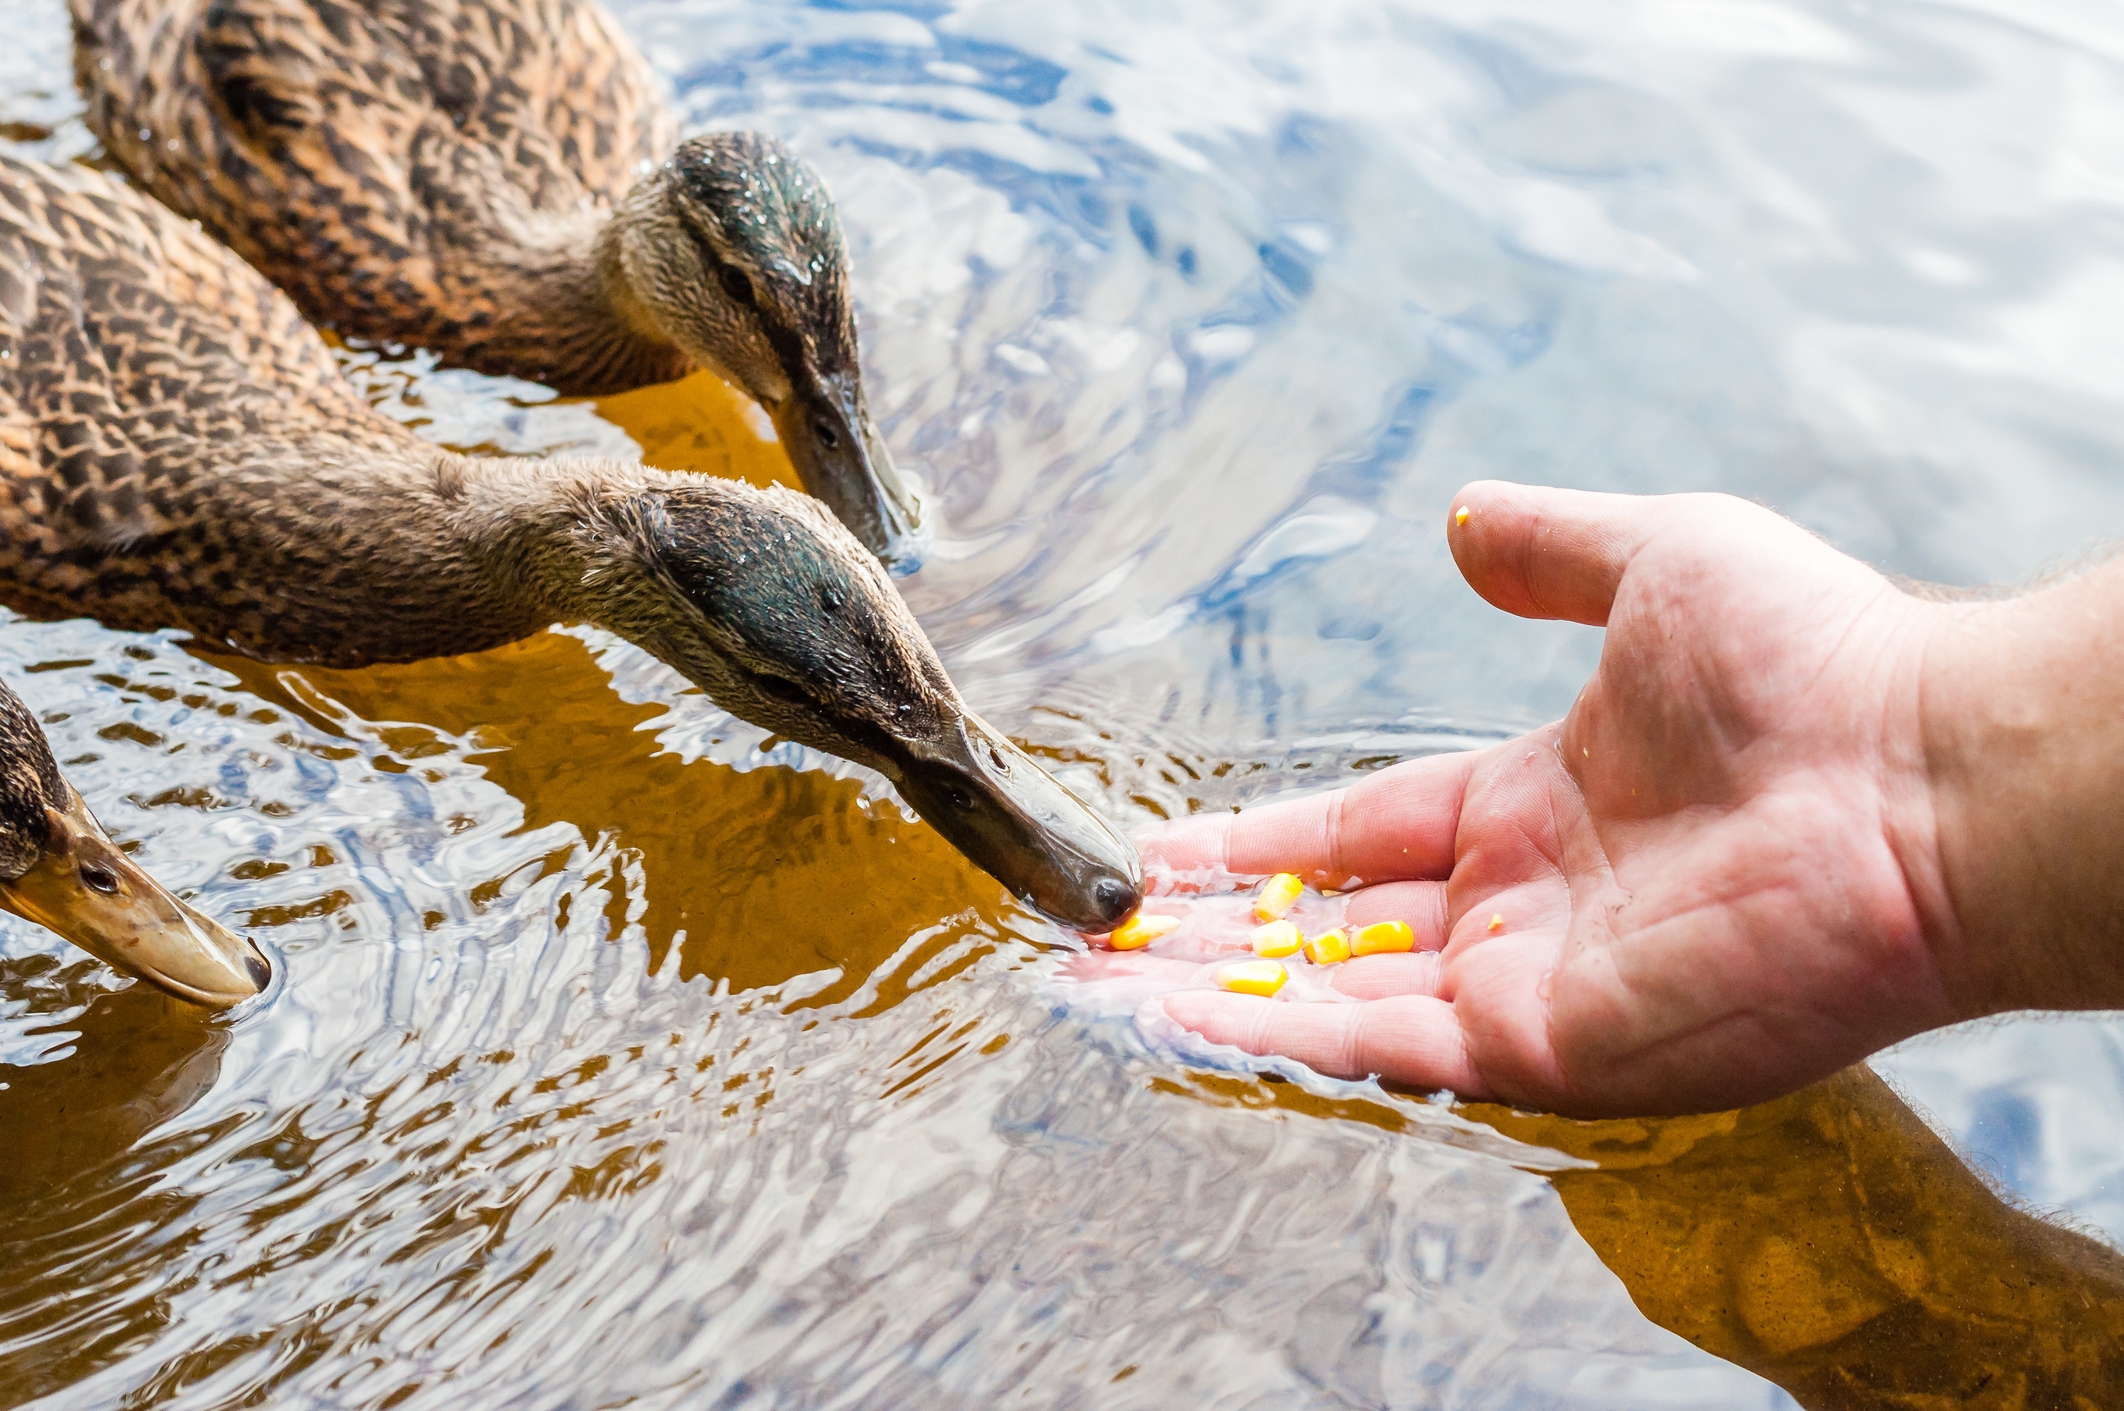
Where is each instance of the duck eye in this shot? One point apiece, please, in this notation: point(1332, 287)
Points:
point(828, 436)
point(735, 284)
point(957, 797)
point(785, 691)
point(98, 878)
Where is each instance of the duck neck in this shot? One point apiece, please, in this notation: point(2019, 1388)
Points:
point(398, 550)
point(545, 532)
point(628, 230)
point(578, 327)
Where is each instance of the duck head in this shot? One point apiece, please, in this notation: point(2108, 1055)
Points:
point(771, 607)
point(732, 252)
point(59, 869)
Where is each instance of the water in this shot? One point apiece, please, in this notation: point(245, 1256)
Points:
point(619, 1062)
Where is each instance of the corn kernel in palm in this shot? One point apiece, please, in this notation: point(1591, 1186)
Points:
point(1276, 896)
point(1328, 948)
point(1383, 938)
point(1253, 977)
point(1276, 939)
point(1140, 930)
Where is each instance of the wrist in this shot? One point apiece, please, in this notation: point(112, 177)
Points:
point(2021, 728)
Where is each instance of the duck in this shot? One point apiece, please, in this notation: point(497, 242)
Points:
point(501, 182)
point(60, 869)
point(179, 449)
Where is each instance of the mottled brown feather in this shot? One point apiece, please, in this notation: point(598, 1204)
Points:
point(30, 786)
point(430, 172)
point(177, 447)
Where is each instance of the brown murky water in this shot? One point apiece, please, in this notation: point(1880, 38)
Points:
point(622, 1057)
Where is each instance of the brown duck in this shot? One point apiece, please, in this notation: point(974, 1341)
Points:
point(60, 869)
point(499, 181)
point(179, 449)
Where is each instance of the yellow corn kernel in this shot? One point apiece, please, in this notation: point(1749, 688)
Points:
point(1383, 937)
point(1276, 896)
point(1276, 940)
point(1253, 977)
point(1328, 948)
point(1460, 516)
point(1497, 921)
point(1140, 930)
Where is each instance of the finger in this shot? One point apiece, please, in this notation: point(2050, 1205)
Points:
point(1398, 823)
point(1538, 552)
point(1421, 904)
point(1386, 976)
point(1413, 1039)
point(1192, 844)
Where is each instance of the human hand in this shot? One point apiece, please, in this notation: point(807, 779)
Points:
point(1717, 877)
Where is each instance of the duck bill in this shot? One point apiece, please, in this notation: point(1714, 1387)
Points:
point(993, 803)
point(135, 926)
point(844, 463)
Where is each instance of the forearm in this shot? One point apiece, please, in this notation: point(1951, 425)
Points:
point(2022, 710)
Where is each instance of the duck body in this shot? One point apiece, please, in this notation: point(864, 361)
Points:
point(501, 182)
point(179, 449)
point(419, 171)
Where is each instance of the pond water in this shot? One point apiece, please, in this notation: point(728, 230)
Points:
point(622, 1057)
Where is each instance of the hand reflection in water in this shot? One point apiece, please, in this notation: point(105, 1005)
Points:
point(1830, 1242)
point(1796, 815)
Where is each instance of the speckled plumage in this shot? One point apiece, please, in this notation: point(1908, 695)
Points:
point(178, 449)
point(30, 784)
point(432, 172)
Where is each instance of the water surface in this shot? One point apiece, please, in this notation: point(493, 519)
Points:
point(619, 1060)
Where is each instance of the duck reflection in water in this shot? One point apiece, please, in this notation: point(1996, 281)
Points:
point(140, 1059)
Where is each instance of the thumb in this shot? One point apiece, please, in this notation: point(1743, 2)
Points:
point(1538, 552)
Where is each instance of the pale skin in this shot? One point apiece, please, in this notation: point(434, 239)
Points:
point(1796, 815)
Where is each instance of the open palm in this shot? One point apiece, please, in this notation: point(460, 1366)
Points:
point(1713, 881)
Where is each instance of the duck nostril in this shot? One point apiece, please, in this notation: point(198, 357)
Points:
point(261, 973)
